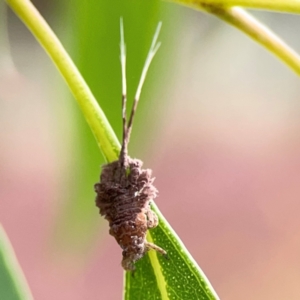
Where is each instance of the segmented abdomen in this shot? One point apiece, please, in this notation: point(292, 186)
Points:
point(123, 198)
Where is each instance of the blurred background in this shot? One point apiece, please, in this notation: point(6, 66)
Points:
point(218, 122)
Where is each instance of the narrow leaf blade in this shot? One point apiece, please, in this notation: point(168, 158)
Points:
point(13, 285)
point(178, 277)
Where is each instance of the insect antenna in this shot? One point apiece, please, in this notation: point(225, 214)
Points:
point(127, 127)
point(153, 49)
point(123, 152)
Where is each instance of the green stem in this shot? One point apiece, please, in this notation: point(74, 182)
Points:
point(290, 6)
point(252, 27)
point(13, 283)
point(95, 117)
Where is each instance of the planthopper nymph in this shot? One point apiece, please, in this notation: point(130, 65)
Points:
point(125, 189)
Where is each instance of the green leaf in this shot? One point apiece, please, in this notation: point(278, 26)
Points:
point(13, 285)
point(156, 278)
point(178, 277)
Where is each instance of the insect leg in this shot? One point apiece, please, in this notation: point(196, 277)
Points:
point(149, 246)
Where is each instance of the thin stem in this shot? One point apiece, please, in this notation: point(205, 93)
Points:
point(290, 6)
point(105, 136)
point(252, 27)
point(261, 34)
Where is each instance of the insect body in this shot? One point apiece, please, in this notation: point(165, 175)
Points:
point(125, 189)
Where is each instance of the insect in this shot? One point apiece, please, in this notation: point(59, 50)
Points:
point(125, 189)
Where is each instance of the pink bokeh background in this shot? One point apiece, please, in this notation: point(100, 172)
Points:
point(226, 159)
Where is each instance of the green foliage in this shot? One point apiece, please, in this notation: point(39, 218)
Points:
point(13, 285)
point(178, 277)
point(97, 42)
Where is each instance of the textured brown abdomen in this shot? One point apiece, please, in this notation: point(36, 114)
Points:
point(123, 196)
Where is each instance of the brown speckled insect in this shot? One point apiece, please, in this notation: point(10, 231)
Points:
point(125, 189)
